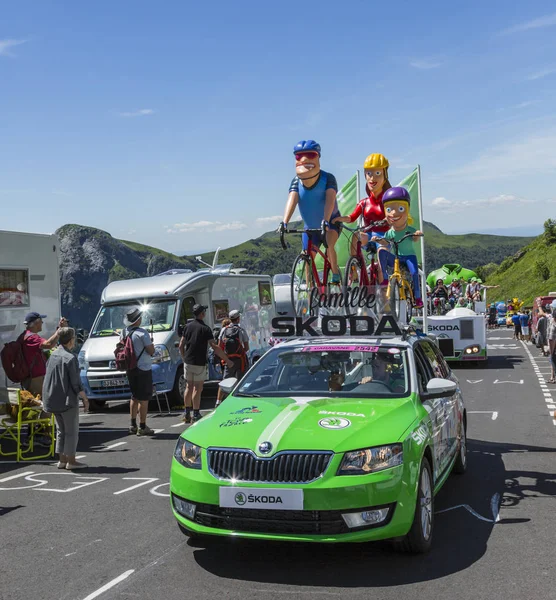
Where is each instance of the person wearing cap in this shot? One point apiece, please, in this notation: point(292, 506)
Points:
point(234, 340)
point(33, 347)
point(141, 377)
point(197, 336)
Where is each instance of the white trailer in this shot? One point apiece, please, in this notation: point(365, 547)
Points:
point(29, 281)
point(461, 334)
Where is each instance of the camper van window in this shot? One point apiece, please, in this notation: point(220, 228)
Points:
point(186, 310)
point(14, 287)
point(157, 314)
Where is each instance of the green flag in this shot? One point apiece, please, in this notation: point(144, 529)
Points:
point(411, 184)
point(347, 200)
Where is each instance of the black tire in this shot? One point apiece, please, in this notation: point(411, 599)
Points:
point(300, 291)
point(460, 466)
point(395, 302)
point(178, 391)
point(353, 266)
point(417, 541)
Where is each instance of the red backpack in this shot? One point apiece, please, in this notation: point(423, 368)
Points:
point(125, 353)
point(13, 360)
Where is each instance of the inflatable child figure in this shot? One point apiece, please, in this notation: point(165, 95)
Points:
point(396, 203)
point(314, 191)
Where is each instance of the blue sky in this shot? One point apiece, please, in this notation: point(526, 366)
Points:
point(173, 123)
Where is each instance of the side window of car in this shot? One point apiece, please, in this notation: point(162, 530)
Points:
point(423, 371)
point(444, 367)
point(432, 359)
point(186, 312)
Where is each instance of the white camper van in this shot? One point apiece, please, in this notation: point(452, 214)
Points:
point(29, 282)
point(167, 301)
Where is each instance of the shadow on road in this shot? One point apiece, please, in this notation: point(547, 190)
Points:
point(460, 538)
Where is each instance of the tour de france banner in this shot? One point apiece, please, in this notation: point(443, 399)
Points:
point(347, 200)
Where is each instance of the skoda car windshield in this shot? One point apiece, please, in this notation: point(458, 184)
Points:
point(157, 315)
point(351, 371)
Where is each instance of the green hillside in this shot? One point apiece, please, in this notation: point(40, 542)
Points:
point(529, 273)
point(265, 255)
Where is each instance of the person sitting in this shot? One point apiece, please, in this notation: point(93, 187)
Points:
point(440, 295)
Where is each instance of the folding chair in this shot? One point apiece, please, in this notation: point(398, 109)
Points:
point(13, 426)
point(157, 396)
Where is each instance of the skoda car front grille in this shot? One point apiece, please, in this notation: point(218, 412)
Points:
point(284, 467)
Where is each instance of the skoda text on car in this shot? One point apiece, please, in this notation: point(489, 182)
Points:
point(326, 440)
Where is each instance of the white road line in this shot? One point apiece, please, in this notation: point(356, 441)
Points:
point(179, 425)
point(551, 407)
point(114, 445)
point(494, 413)
point(144, 481)
point(546, 392)
point(158, 430)
point(93, 430)
point(81, 456)
point(109, 585)
point(16, 476)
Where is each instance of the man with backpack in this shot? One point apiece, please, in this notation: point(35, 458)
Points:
point(133, 353)
point(233, 339)
point(23, 360)
point(194, 343)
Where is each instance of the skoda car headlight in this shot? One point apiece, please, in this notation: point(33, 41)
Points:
point(188, 454)
point(161, 354)
point(370, 460)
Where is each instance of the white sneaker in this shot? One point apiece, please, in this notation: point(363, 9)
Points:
point(75, 465)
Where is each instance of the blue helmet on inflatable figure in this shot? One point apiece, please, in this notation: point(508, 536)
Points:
point(306, 146)
point(396, 193)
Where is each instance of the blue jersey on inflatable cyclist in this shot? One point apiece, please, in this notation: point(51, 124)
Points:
point(314, 191)
point(396, 203)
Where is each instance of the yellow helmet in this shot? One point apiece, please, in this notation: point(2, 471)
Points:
point(376, 161)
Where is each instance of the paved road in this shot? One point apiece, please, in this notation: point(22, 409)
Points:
point(66, 536)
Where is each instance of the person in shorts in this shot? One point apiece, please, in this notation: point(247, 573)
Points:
point(196, 339)
point(234, 341)
point(524, 320)
point(141, 377)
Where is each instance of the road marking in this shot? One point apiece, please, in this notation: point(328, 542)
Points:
point(144, 481)
point(93, 430)
point(474, 380)
point(158, 430)
point(109, 585)
point(16, 476)
point(115, 445)
point(179, 425)
point(494, 413)
point(520, 382)
point(551, 406)
point(155, 491)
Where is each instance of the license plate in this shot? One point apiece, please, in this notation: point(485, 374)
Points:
point(114, 382)
point(258, 498)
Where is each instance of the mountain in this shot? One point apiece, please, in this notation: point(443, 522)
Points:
point(91, 258)
point(529, 273)
point(265, 254)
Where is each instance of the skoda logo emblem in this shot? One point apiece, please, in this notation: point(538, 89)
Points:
point(240, 499)
point(334, 423)
point(265, 447)
point(112, 364)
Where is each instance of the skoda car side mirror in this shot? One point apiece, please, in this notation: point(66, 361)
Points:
point(439, 388)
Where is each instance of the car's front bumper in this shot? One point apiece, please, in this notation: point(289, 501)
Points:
point(324, 502)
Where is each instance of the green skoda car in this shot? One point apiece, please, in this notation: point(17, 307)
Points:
point(326, 440)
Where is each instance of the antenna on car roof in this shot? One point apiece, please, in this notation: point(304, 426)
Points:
point(214, 260)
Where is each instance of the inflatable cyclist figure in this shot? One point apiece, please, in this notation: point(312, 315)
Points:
point(314, 191)
point(396, 203)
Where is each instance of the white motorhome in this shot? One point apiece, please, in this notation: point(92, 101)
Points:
point(167, 301)
point(29, 282)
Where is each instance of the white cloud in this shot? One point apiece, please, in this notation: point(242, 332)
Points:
point(143, 112)
point(5, 46)
point(204, 226)
point(546, 21)
point(445, 205)
point(542, 73)
point(534, 154)
point(266, 220)
point(425, 63)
